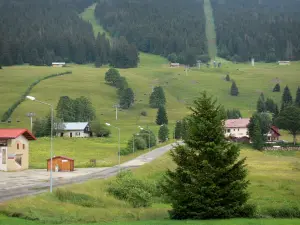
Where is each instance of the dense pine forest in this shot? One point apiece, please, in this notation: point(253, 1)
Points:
point(155, 26)
point(40, 32)
point(267, 30)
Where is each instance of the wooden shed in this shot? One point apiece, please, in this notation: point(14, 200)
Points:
point(61, 164)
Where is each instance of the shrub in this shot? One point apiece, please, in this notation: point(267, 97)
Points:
point(144, 113)
point(76, 198)
point(137, 192)
point(284, 212)
point(125, 151)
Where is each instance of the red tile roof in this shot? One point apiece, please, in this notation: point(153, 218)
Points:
point(14, 133)
point(276, 130)
point(237, 123)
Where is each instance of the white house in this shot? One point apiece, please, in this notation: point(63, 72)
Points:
point(58, 64)
point(237, 128)
point(76, 129)
point(174, 65)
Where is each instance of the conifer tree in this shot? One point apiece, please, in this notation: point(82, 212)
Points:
point(178, 128)
point(276, 88)
point(98, 62)
point(161, 117)
point(286, 98)
point(257, 138)
point(210, 179)
point(0, 67)
point(227, 78)
point(297, 100)
point(157, 98)
point(234, 91)
point(163, 133)
point(261, 104)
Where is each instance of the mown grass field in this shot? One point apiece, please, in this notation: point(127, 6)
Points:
point(275, 183)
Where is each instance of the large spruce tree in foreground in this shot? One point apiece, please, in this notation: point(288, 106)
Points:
point(210, 180)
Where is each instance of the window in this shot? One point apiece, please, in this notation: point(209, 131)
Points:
point(3, 156)
point(238, 129)
point(18, 146)
point(18, 160)
point(23, 146)
point(228, 130)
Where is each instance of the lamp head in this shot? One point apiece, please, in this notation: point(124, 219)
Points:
point(30, 98)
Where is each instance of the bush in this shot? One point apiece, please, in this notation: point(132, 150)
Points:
point(76, 198)
point(144, 113)
point(125, 151)
point(138, 193)
point(284, 212)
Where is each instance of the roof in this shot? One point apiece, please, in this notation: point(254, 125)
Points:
point(237, 123)
point(14, 133)
point(276, 130)
point(75, 126)
point(63, 157)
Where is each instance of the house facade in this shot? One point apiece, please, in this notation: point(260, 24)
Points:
point(284, 63)
point(58, 64)
point(75, 130)
point(174, 65)
point(237, 130)
point(14, 149)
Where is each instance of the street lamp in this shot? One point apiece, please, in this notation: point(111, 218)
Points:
point(119, 153)
point(51, 137)
point(148, 133)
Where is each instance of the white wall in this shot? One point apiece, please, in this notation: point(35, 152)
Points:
point(236, 132)
point(75, 133)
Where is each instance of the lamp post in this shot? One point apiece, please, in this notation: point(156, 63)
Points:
point(119, 153)
point(51, 137)
point(148, 133)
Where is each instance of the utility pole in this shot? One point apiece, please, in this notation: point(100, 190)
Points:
point(31, 114)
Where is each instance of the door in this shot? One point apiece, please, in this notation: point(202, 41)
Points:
point(3, 158)
point(71, 134)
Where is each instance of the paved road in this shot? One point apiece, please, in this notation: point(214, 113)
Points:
point(10, 190)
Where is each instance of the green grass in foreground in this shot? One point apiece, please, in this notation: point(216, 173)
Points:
point(275, 183)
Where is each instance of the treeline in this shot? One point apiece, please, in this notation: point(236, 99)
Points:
point(268, 30)
point(41, 32)
point(160, 27)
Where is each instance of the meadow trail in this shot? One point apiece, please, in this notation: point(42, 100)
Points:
point(210, 30)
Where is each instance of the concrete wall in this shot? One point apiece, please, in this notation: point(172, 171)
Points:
point(75, 134)
point(236, 132)
point(22, 153)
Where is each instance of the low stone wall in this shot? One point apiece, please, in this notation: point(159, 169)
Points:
point(281, 148)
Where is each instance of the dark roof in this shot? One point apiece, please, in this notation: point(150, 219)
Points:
point(13, 133)
point(63, 157)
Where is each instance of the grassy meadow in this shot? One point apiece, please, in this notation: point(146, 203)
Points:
point(275, 184)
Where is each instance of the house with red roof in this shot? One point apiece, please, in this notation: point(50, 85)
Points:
point(237, 130)
point(14, 149)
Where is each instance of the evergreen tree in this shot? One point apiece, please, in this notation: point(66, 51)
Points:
point(112, 76)
point(126, 98)
point(163, 133)
point(257, 138)
point(271, 106)
point(261, 104)
point(227, 78)
point(286, 98)
point(297, 100)
point(98, 63)
point(157, 98)
point(234, 91)
point(233, 114)
point(161, 117)
point(184, 129)
point(210, 179)
point(276, 88)
point(178, 128)
point(264, 121)
point(65, 109)
point(0, 67)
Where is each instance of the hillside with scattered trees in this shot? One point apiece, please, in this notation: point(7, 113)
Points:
point(168, 28)
point(268, 30)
